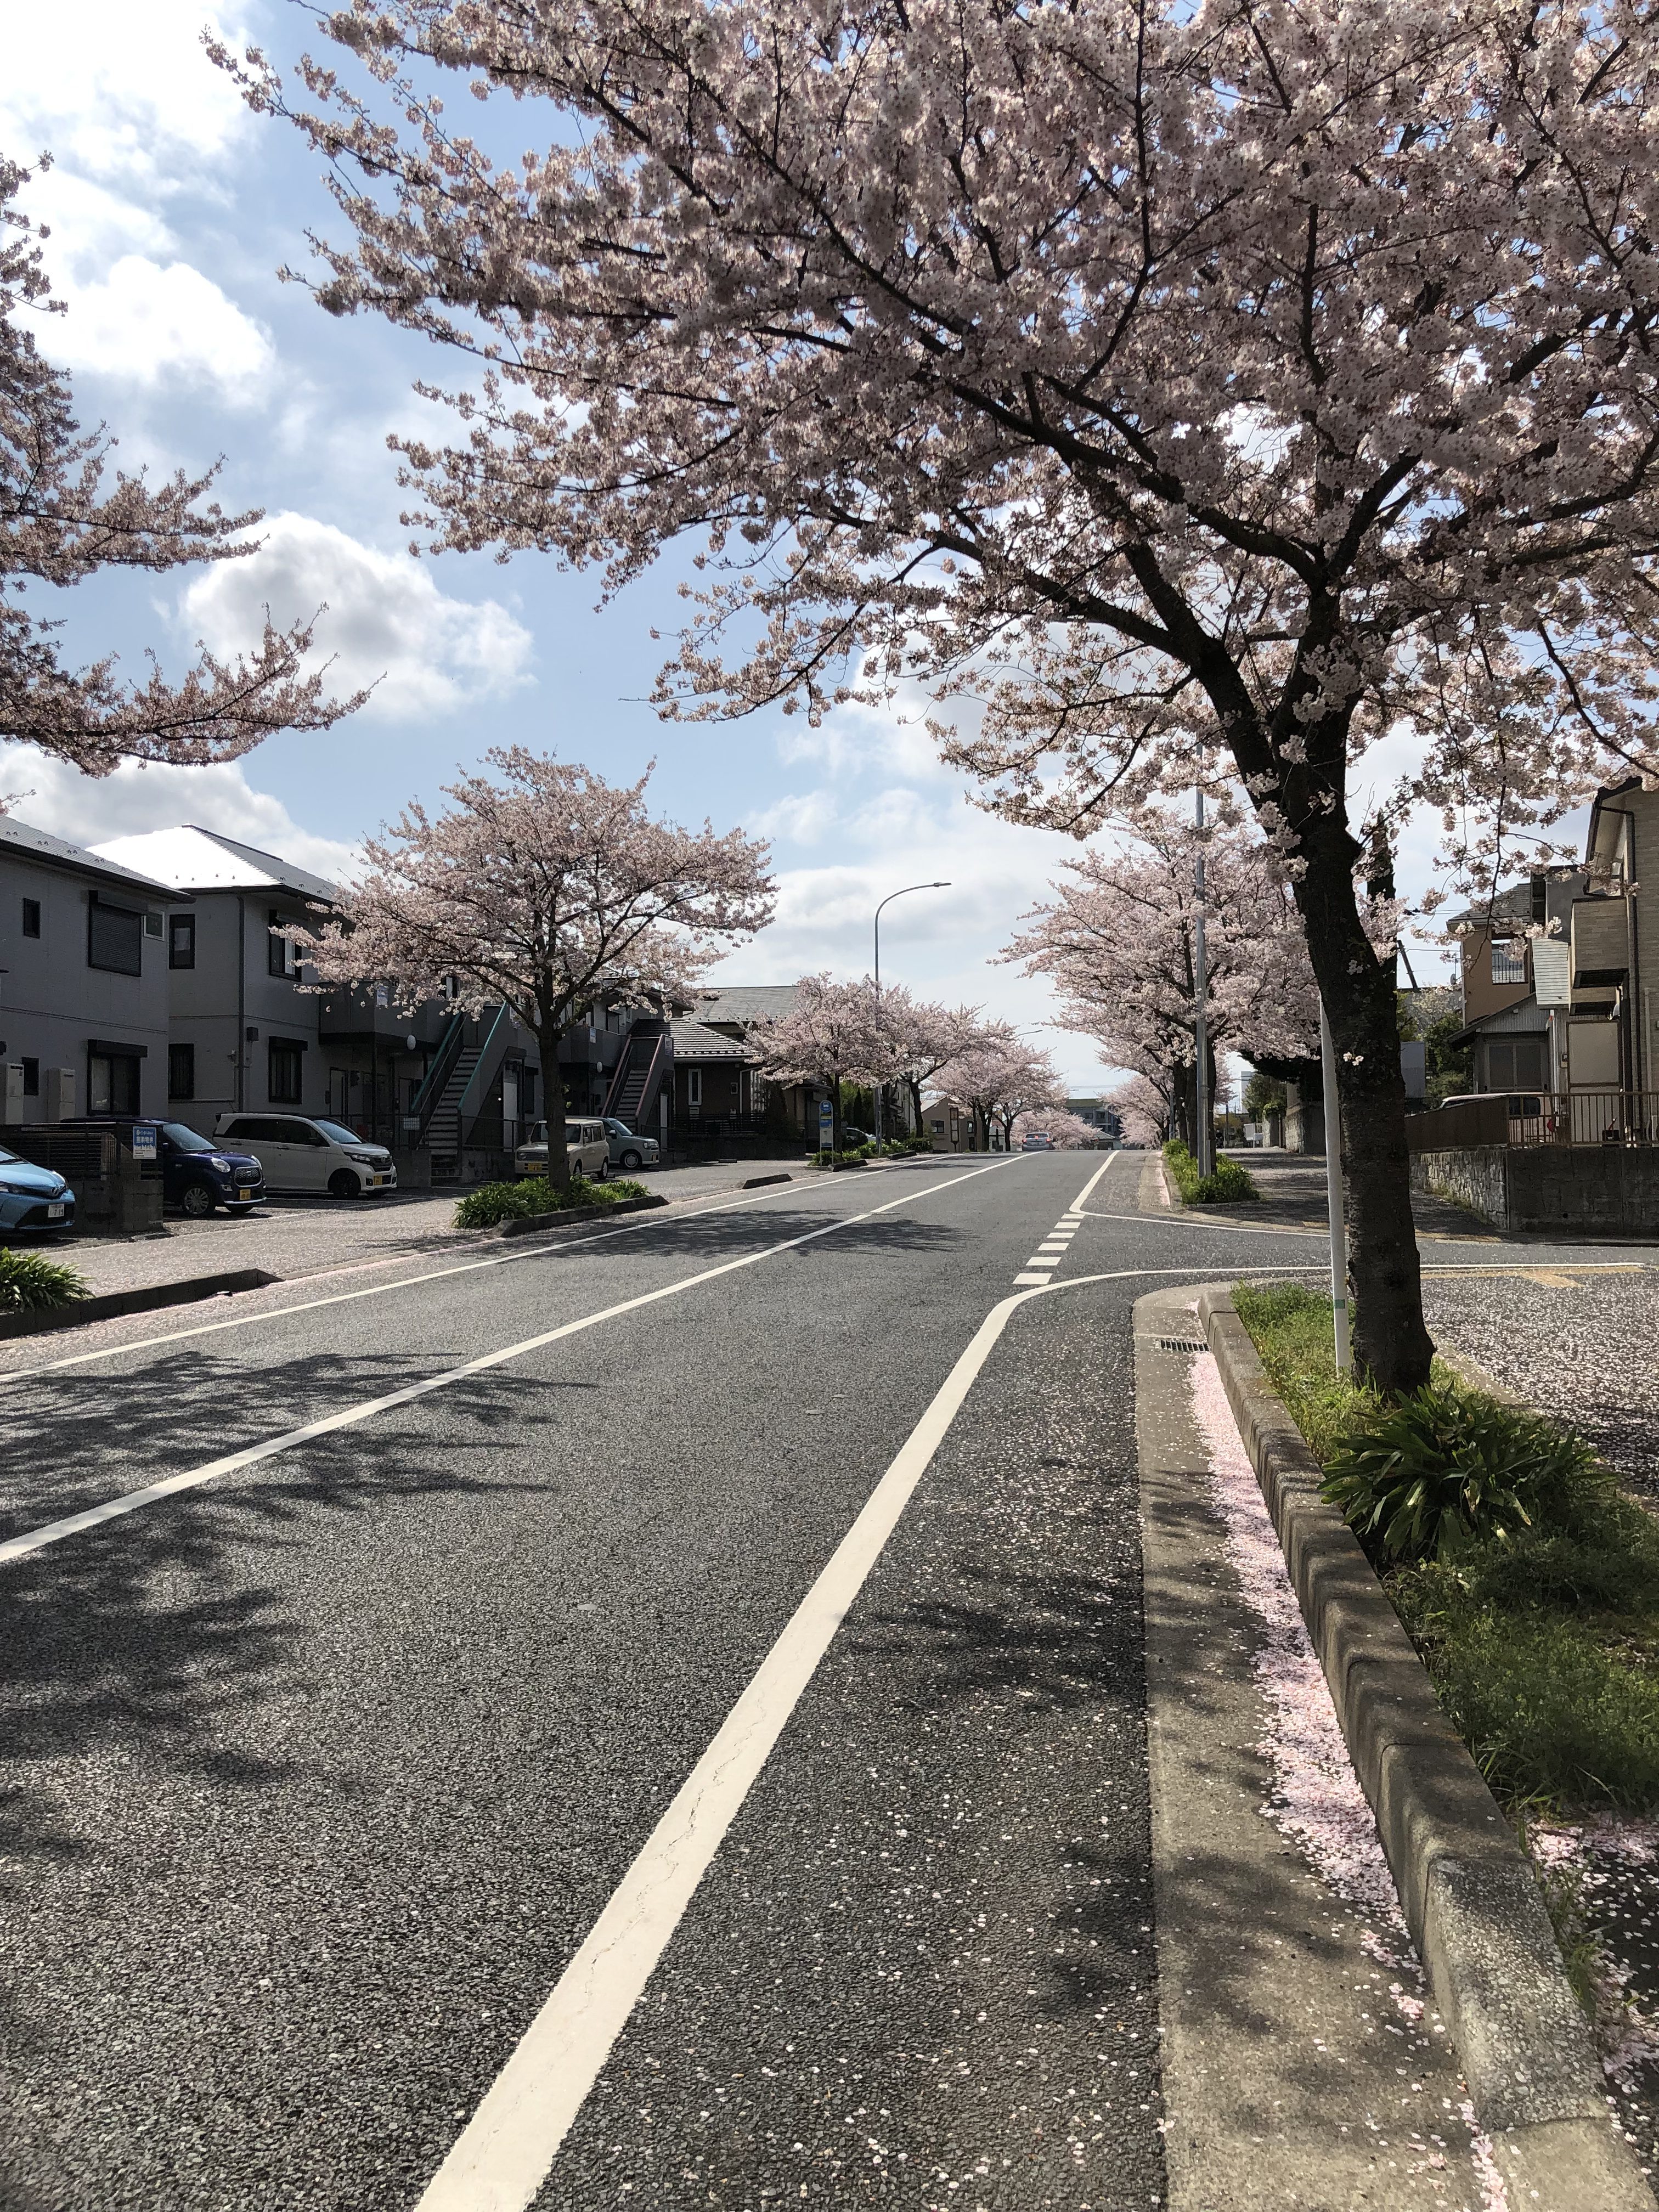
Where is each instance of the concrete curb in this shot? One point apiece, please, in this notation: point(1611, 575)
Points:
point(538, 1224)
point(759, 1182)
point(1469, 1895)
point(108, 1305)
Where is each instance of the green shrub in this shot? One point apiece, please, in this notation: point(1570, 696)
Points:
point(495, 1202)
point(827, 1158)
point(1445, 1468)
point(1228, 1184)
point(30, 1283)
point(1291, 1326)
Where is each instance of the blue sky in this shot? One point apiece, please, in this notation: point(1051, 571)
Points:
point(172, 209)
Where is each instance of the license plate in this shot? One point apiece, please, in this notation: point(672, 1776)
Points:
point(55, 1212)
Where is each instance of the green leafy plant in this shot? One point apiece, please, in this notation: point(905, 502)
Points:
point(1227, 1184)
point(495, 1202)
point(30, 1283)
point(1445, 1468)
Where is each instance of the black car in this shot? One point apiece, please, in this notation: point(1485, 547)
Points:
point(197, 1175)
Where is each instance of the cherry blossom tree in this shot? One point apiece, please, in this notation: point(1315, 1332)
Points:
point(1180, 382)
point(1067, 1132)
point(836, 1033)
point(1119, 940)
point(551, 892)
point(59, 524)
point(996, 1077)
point(925, 1036)
point(1143, 1108)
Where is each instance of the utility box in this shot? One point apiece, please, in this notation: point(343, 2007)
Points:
point(58, 1093)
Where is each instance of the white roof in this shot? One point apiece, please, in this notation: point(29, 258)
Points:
point(202, 861)
point(40, 845)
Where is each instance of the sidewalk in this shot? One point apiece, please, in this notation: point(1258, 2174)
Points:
point(294, 1237)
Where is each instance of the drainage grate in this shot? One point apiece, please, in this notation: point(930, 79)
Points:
point(1181, 1343)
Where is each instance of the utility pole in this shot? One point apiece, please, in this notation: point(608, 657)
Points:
point(1201, 1024)
point(1333, 1190)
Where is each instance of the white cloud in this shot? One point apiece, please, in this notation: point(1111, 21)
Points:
point(118, 90)
point(147, 323)
point(388, 620)
point(49, 795)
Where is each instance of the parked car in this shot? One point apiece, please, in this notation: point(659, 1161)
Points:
point(1036, 1140)
point(32, 1197)
point(851, 1137)
point(300, 1153)
point(197, 1175)
point(586, 1147)
point(628, 1151)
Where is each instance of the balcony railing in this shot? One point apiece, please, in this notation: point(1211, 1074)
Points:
point(1527, 1119)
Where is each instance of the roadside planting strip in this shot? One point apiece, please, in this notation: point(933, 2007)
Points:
point(115, 1509)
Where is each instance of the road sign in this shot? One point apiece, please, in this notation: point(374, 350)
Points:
point(826, 1124)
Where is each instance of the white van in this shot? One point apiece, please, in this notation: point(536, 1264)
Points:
point(300, 1154)
point(586, 1147)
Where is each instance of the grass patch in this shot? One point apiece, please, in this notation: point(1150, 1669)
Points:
point(1540, 1630)
point(1229, 1184)
point(30, 1283)
point(495, 1202)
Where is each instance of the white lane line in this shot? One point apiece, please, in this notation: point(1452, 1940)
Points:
point(506, 2149)
point(656, 1218)
point(1030, 1277)
point(113, 1509)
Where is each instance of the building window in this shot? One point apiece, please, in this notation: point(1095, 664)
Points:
point(1509, 960)
point(283, 1084)
point(181, 1069)
point(31, 917)
point(1516, 1067)
point(181, 950)
point(115, 940)
point(30, 1077)
point(112, 1080)
point(694, 1089)
point(152, 924)
point(284, 953)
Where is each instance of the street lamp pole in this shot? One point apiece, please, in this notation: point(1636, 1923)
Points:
point(888, 901)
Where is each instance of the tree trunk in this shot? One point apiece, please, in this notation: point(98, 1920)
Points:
point(1391, 1342)
point(914, 1090)
point(835, 1113)
point(553, 1106)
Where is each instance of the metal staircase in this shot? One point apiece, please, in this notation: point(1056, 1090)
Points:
point(443, 1127)
point(641, 1072)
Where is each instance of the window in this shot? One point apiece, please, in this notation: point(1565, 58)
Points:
point(181, 1069)
point(115, 941)
point(694, 1089)
point(30, 1077)
point(181, 953)
point(1516, 1066)
point(152, 924)
point(1509, 960)
point(284, 954)
point(31, 917)
point(284, 1080)
point(112, 1080)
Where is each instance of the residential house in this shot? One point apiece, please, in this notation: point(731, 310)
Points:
point(244, 1029)
point(788, 1110)
point(1104, 1120)
point(711, 1079)
point(83, 980)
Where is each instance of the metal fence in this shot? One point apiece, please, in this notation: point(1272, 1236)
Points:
point(1530, 1119)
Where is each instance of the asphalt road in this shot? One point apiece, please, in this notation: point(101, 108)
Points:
point(317, 1775)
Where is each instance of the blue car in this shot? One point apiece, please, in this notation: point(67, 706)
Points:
point(197, 1175)
point(32, 1197)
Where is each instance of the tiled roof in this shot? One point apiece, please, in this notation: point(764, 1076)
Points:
point(693, 1041)
point(39, 845)
point(203, 860)
point(750, 1002)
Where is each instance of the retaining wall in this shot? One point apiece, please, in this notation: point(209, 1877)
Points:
point(1595, 1190)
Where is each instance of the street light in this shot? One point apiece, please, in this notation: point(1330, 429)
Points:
point(888, 901)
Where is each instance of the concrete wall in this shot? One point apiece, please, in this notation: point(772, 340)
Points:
point(54, 1002)
point(1604, 1190)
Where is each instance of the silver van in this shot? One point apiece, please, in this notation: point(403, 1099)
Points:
point(300, 1154)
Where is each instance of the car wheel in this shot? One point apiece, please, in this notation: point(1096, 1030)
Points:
point(199, 1200)
point(343, 1184)
point(629, 1160)
point(603, 1173)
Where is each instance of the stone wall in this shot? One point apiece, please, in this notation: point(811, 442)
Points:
point(1593, 1190)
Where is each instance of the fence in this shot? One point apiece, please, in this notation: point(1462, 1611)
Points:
point(1529, 1119)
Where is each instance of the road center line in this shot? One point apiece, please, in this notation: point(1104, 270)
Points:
point(113, 1509)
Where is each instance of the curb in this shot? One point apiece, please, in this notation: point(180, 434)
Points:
point(538, 1224)
point(1468, 1892)
point(108, 1304)
point(759, 1182)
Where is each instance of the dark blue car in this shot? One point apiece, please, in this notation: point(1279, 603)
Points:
point(197, 1175)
